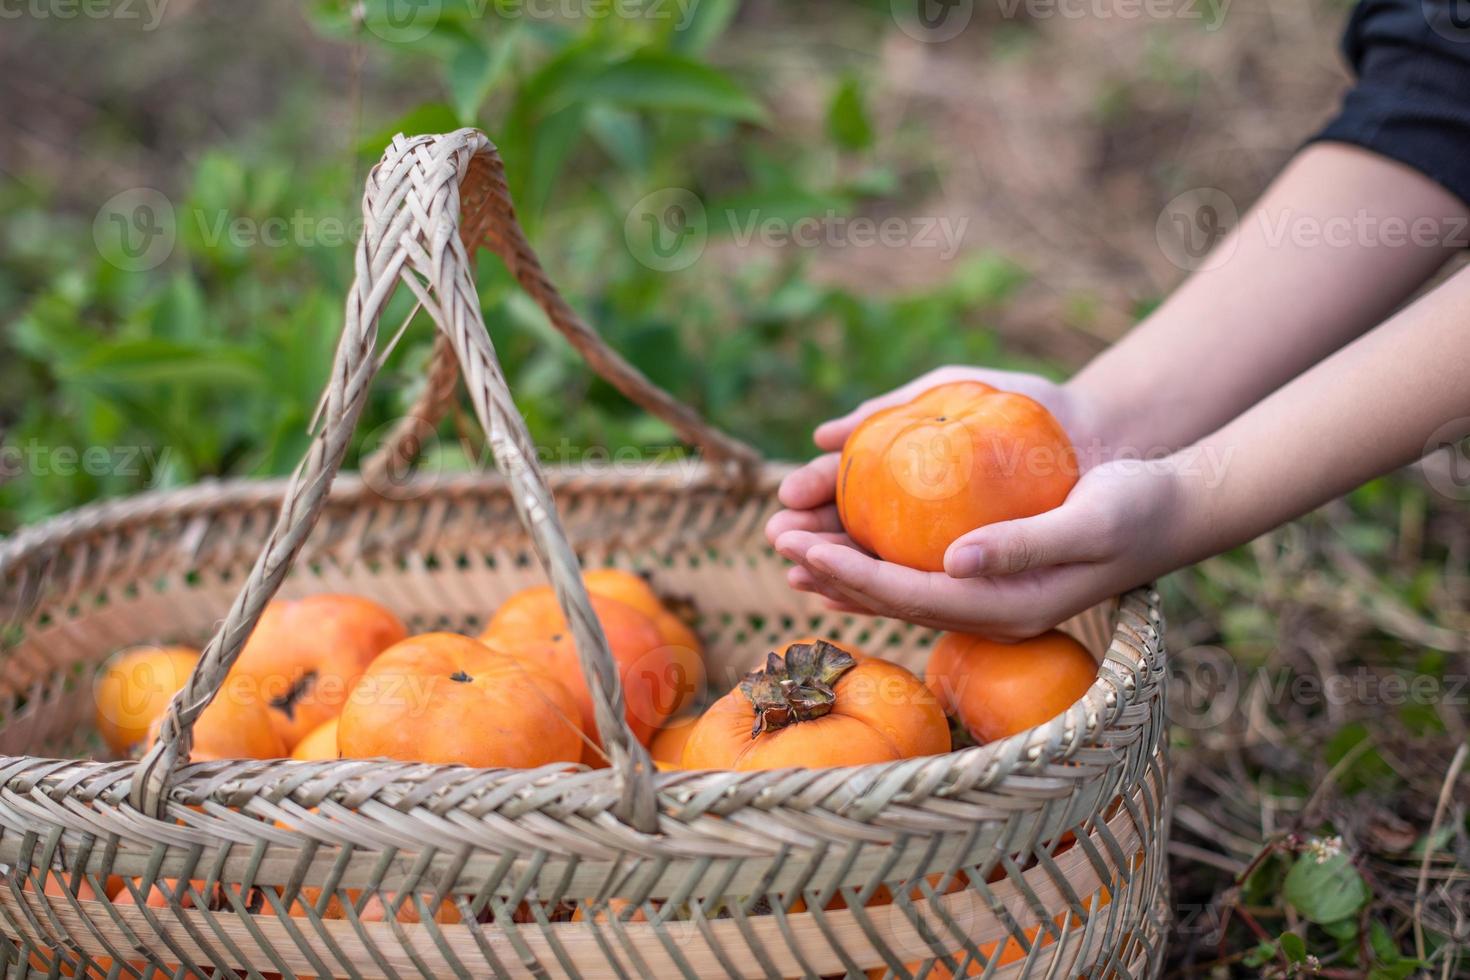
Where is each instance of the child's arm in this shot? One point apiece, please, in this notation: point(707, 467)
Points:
point(1265, 306)
point(1324, 255)
point(1381, 402)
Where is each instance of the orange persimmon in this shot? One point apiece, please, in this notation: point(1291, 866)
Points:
point(817, 705)
point(998, 689)
point(531, 627)
point(667, 745)
point(446, 698)
point(914, 477)
point(306, 654)
point(135, 687)
point(687, 675)
point(235, 725)
point(320, 742)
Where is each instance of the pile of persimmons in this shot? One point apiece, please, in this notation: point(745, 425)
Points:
point(332, 676)
point(339, 676)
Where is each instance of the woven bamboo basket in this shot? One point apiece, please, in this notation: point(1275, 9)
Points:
point(1042, 854)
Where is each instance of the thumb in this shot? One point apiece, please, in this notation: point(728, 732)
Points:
point(1054, 537)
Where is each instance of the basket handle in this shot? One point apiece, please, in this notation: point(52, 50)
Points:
point(411, 209)
point(488, 218)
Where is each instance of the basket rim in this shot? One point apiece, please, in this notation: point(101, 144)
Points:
point(1135, 654)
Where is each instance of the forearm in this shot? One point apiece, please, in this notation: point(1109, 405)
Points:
point(1337, 243)
point(1379, 404)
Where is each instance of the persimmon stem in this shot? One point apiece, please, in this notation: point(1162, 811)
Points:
point(287, 701)
point(796, 688)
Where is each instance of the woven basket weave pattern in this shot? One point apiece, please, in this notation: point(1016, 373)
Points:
point(692, 874)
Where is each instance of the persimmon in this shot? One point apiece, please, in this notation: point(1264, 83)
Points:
point(999, 689)
point(817, 705)
point(306, 654)
point(532, 628)
point(320, 742)
point(667, 746)
point(135, 687)
point(235, 725)
point(914, 477)
point(687, 679)
point(446, 698)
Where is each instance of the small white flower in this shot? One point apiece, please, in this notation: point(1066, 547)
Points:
point(1323, 849)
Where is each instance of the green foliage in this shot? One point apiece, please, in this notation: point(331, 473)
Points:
point(210, 364)
point(1325, 890)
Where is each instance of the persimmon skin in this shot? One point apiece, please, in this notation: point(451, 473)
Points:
point(446, 698)
point(667, 745)
point(317, 646)
point(881, 713)
point(135, 688)
point(236, 725)
point(687, 671)
point(914, 477)
point(531, 627)
point(319, 743)
point(999, 689)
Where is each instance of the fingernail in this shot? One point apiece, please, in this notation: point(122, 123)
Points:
point(966, 562)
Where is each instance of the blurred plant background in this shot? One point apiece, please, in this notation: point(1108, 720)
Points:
point(1046, 145)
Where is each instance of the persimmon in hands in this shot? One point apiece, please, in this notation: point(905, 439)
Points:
point(915, 477)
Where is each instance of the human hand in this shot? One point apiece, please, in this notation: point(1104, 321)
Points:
point(813, 487)
point(1122, 525)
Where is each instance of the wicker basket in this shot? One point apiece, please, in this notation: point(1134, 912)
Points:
point(1038, 855)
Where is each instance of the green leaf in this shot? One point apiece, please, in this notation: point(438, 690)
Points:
point(1400, 970)
point(1384, 948)
point(432, 117)
point(149, 362)
point(668, 82)
point(1293, 946)
point(620, 134)
point(847, 117)
point(1368, 771)
point(987, 279)
point(474, 71)
point(1260, 955)
point(703, 21)
point(1325, 891)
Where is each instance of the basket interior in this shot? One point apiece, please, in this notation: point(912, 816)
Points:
point(440, 561)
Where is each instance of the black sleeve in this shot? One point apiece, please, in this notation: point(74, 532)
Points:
point(1412, 99)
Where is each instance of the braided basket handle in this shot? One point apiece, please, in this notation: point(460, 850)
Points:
point(489, 219)
point(412, 210)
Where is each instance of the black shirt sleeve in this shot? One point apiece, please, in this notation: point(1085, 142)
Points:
point(1412, 99)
